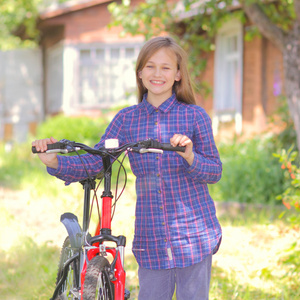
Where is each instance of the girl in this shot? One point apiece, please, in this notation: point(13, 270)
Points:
point(176, 228)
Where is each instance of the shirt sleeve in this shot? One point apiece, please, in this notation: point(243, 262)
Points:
point(74, 168)
point(207, 166)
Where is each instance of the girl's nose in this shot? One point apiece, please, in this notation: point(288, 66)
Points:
point(157, 71)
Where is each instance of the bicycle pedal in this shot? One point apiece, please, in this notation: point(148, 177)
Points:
point(126, 294)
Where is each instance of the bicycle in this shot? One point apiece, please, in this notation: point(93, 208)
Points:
point(84, 272)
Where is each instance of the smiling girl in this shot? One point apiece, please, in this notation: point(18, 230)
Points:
point(176, 228)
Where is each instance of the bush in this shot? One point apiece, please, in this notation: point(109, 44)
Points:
point(80, 129)
point(20, 168)
point(250, 173)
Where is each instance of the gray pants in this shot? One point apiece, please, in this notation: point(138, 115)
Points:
point(192, 282)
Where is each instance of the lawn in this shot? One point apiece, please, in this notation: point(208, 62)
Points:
point(249, 265)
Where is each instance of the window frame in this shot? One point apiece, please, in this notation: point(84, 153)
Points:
point(108, 64)
point(232, 28)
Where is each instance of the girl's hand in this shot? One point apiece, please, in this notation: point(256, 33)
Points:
point(49, 159)
point(183, 140)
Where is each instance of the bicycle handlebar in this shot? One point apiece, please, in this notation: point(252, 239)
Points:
point(150, 145)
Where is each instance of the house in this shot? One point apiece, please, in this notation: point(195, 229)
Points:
point(87, 66)
point(247, 80)
point(84, 67)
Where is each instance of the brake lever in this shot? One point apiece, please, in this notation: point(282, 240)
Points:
point(63, 151)
point(151, 150)
point(144, 150)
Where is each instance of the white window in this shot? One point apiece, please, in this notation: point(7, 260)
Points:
point(228, 75)
point(106, 74)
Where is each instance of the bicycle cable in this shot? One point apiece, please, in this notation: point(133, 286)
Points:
point(117, 197)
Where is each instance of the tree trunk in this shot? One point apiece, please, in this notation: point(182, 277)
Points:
point(291, 61)
point(289, 44)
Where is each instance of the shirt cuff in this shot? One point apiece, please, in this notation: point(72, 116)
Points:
point(195, 168)
point(59, 170)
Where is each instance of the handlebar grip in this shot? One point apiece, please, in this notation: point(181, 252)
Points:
point(169, 147)
point(57, 145)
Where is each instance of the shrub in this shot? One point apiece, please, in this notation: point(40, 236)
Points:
point(80, 129)
point(250, 173)
point(289, 160)
point(20, 168)
point(290, 197)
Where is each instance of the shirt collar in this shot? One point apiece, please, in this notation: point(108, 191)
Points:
point(164, 107)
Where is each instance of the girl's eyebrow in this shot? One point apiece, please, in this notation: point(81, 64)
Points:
point(151, 62)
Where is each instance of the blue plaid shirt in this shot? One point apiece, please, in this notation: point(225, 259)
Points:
point(176, 223)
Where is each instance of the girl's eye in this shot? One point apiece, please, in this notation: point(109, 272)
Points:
point(149, 66)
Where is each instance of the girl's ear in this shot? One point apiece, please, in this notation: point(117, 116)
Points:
point(178, 76)
point(140, 74)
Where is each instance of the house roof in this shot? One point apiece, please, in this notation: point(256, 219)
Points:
point(70, 6)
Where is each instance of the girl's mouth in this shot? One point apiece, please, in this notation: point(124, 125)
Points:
point(157, 81)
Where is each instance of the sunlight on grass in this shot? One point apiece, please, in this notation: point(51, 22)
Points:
point(27, 270)
point(246, 267)
point(251, 263)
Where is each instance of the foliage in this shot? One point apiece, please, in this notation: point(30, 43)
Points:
point(20, 15)
point(291, 260)
point(289, 160)
point(80, 129)
point(282, 119)
point(19, 167)
point(291, 195)
point(193, 24)
point(190, 18)
point(250, 173)
point(13, 13)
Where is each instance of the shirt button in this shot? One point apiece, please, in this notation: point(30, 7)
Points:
point(159, 191)
point(157, 157)
point(155, 123)
point(156, 110)
point(160, 207)
point(157, 175)
point(165, 240)
point(163, 223)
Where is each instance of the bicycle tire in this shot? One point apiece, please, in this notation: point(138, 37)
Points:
point(69, 286)
point(97, 284)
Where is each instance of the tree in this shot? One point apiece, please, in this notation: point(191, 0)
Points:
point(15, 13)
point(198, 22)
point(21, 16)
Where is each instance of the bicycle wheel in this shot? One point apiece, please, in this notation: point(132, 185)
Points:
point(97, 284)
point(69, 288)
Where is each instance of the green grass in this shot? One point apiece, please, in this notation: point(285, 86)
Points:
point(254, 234)
point(28, 270)
point(252, 262)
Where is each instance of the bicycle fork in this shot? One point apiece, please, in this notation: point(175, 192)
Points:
point(103, 234)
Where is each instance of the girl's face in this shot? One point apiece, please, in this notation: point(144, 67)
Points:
point(159, 74)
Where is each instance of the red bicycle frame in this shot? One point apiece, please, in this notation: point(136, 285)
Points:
point(103, 232)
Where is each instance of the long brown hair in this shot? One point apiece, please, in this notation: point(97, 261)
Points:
point(183, 88)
